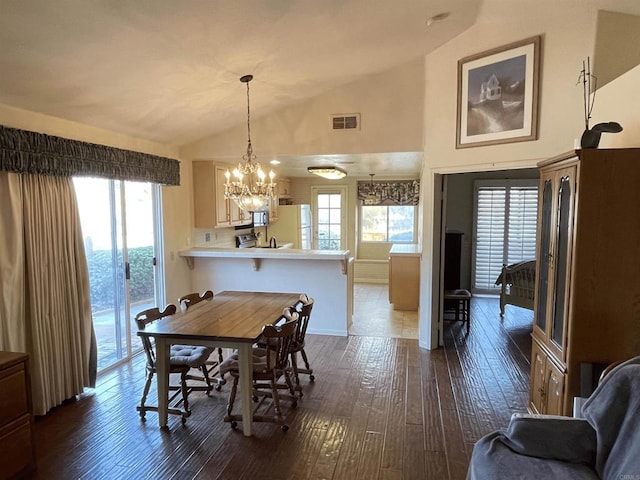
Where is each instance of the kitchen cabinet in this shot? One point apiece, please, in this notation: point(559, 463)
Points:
point(211, 209)
point(586, 310)
point(17, 447)
point(404, 276)
point(283, 185)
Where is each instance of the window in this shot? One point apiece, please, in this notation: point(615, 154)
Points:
point(505, 228)
point(387, 223)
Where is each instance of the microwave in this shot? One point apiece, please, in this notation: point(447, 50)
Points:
point(260, 219)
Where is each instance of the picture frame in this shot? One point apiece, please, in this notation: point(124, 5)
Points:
point(498, 95)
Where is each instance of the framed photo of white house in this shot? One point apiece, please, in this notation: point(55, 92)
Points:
point(498, 95)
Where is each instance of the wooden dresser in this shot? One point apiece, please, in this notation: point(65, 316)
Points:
point(17, 449)
point(587, 300)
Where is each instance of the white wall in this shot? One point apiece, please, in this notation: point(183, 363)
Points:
point(619, 101)
point(568, 30)
point(390, 104)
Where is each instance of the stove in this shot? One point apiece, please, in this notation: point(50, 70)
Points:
point(246, 240)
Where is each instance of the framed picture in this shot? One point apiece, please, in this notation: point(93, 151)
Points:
point(498, 95)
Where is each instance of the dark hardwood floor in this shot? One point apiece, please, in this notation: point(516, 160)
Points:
point(380, 408)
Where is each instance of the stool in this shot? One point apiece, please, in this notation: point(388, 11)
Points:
point(458, 301)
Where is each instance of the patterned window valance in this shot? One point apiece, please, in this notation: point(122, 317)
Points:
point(397, 192)
point(22, 151)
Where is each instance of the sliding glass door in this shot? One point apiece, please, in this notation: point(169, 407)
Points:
point(118, 221)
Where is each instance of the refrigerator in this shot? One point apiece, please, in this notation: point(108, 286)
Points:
point(293, 226)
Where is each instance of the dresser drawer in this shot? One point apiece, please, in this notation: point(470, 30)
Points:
point(16, 448)
point(13, 401)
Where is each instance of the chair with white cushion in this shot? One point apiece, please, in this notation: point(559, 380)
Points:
point(182, 359)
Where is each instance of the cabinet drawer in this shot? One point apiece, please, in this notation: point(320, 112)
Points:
point(13, 401)
point(16, 448)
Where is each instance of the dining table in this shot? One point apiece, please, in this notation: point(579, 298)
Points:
point(231, 319)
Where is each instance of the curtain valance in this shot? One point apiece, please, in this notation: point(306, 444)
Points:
point(23, 151)
point(397, 192)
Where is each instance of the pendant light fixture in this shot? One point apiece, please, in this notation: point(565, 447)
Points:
point(247, 185)
point(370, 198)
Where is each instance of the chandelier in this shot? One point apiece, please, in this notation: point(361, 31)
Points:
point(247, 185)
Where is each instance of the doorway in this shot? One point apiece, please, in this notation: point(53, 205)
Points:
point(329, 217)
point(454, 211)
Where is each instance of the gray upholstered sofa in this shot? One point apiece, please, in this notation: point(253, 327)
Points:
point(603, 445)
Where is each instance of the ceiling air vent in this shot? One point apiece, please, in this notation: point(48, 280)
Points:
point(349, 121)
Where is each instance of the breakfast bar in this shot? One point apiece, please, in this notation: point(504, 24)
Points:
point(325, 275)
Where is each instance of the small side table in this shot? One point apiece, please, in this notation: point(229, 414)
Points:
point(458, 301)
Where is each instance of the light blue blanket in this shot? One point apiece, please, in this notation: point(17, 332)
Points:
point(605, 445)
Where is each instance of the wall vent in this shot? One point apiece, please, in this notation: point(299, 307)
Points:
point(348, 121)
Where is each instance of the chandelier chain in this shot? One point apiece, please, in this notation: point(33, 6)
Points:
point(250, 156)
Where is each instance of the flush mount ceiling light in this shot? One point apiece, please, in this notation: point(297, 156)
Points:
point(249, 188)
point(332, 173)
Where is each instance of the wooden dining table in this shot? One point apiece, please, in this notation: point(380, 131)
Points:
point(229, 320)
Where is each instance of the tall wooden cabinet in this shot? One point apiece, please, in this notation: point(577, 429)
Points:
point(452, 260)
point(587, 307)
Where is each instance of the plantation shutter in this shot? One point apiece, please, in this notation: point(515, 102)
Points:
point(489, 235)
point(505, 228)
point(523, 207)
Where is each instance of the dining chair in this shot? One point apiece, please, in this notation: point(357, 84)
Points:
point(303, 307)
point(182, 359)
point(270, 363)
point(212, 366)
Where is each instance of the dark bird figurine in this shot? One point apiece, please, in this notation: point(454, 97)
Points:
point(591, 136)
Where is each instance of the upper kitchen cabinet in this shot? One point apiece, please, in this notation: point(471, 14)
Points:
point(283, 187)
point(587, 302)
point(211, 209)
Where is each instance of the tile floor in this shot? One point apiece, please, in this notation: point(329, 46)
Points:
point(374, 316)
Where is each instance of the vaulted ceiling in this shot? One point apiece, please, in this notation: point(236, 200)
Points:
point(168, 71)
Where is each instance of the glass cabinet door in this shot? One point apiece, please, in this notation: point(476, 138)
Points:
point(563, 239)
point(544, 254)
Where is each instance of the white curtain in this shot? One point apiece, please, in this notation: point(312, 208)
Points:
point(45, 306)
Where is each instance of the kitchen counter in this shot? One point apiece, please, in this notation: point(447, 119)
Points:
point(412, 249)
point(258, 254)
point(325, 275)
point(404, 276)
